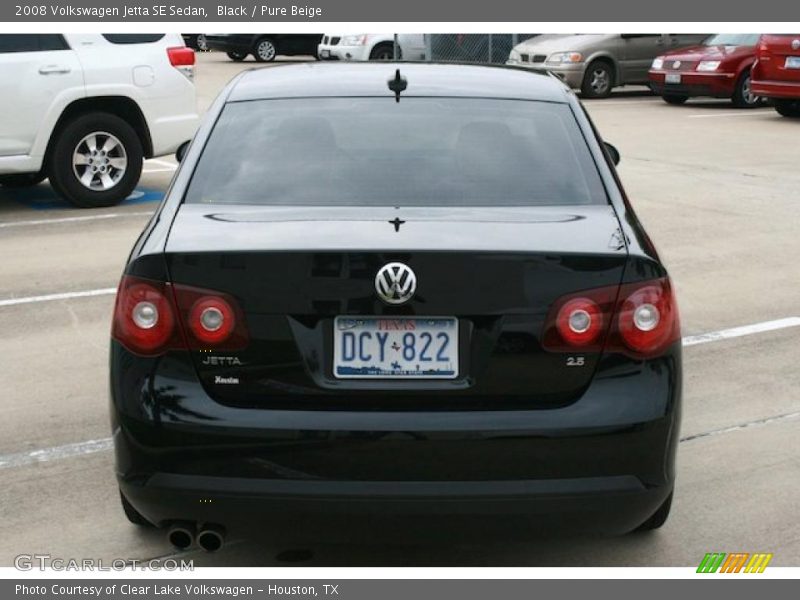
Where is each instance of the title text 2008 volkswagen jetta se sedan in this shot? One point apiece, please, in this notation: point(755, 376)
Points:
point(395, 290)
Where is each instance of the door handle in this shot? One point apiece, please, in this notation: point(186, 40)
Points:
point(54, 70)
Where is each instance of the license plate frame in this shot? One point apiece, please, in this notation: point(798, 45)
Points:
point(672, 79)
point(347, 363)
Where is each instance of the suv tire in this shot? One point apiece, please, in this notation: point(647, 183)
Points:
point(384, 51)
point(96, 160)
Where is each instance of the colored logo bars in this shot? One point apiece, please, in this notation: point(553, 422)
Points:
point(736, 562)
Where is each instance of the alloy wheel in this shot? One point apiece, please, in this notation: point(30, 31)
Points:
point(600, 81)
point(99, 161)
point(265, 50)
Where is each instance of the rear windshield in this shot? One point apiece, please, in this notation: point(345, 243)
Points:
point(378, 152)
point(733, 39)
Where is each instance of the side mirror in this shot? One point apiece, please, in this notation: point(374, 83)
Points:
point(612, 152)
point(181, 151)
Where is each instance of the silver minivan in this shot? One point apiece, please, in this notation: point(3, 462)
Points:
point(597, 63)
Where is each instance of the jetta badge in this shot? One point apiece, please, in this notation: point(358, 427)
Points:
point(795, 44)
point(395, 283)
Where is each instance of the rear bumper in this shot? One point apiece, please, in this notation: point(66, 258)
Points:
point(715, 85)
point(603, 463)
point(777, 89)
point(608, 505)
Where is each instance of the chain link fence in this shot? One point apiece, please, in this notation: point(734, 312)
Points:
point(481, 48)
point(485, 48)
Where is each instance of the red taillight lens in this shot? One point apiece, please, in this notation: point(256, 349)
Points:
point(579, 322)
point(180, 56)
point(147, 315)
point(648, 318)
point(144, 319)
point(212, 320)
point(637, 319)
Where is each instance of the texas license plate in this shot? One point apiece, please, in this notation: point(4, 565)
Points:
point(395, 347)
point(793, 62)
point(673, 78)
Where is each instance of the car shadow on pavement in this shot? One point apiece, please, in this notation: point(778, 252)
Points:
point(42, 197)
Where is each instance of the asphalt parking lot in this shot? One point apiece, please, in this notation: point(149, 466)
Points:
point(716, 187)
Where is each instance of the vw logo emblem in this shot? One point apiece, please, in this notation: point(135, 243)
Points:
point(676, 64)
point(795, 44)
point(395, 283)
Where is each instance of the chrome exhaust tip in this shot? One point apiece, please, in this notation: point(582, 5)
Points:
point(181, 534)
point(211, 538)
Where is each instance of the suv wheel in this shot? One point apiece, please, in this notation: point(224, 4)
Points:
point(742, 96)
point(237, 56)
point(96, 160)
point(22, 179)
point(788, 108)
point(598, 80)
point(383, 52)
point(265, 50)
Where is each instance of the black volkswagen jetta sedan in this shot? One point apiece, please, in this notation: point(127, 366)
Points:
point(403, 290)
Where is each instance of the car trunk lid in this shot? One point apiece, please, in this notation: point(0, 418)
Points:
point(293, 270)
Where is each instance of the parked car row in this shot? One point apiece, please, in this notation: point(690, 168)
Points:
point(747, 68)
point(265, 47)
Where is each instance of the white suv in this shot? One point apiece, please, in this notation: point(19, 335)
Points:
point(84, 110)
point(371, 46)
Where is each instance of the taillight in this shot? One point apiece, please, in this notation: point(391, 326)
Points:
point(182, 58)
point(147, 315)
point(580, 322)
point(213, 319)
point(648, 319)
point(637, 319)
point(144, 319)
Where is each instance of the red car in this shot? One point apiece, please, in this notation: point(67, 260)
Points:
point(776, 74)
point(719, 67)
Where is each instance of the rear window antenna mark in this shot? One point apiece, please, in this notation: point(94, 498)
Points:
point(398, 85)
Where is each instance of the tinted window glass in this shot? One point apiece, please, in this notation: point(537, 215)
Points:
point(376, 152)
point(133, 38)
point(732, 39)
point(33, 42)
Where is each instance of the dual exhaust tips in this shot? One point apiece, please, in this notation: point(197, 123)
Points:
point(182, 534)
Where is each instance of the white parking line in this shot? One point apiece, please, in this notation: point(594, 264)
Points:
point(74, 219)
point(22, 459)
point(718, 115)
point(61, 296)
point(744, 330)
